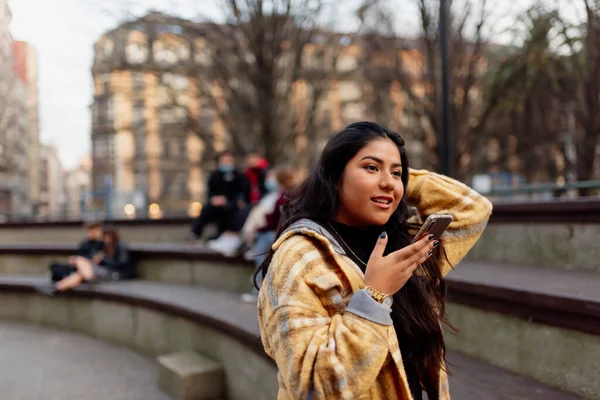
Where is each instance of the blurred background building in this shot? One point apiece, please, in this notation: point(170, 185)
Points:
point(169, 93)
point(145, 102)
point(52, 187)
point(159, 114)
point(78, 188)
point(26, 69)
point(14, 127)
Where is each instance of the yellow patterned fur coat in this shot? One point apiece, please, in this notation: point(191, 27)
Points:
point(328, 337)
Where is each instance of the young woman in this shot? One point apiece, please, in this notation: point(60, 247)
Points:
point(348, 308)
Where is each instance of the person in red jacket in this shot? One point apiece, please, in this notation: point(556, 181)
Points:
point(256, 173)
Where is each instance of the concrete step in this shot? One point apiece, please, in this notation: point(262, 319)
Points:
point(190, 376)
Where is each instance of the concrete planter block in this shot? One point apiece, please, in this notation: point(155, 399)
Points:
point(189, 376)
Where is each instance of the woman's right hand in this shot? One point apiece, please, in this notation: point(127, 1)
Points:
point(388, 274)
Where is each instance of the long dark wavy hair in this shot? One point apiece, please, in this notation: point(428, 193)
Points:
point(111, 248)
point(418, 310)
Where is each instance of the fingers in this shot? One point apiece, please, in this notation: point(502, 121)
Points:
point(416, 251)
point(424, 258)
point(379, 246)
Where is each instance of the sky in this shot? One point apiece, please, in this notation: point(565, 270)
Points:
point(63, 33)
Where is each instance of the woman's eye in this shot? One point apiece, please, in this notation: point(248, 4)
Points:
point(371, 168)
point(397, 173)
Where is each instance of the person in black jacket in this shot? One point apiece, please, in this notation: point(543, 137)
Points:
point(228, 192)
point(88, 248)
point(117, 262)
point(112, 264)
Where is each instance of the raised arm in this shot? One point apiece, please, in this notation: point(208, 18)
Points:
point(431, 193)
point(323, 350)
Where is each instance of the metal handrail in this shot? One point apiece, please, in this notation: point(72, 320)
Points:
point(544, 187)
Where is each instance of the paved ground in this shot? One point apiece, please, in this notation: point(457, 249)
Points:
point(44, 364)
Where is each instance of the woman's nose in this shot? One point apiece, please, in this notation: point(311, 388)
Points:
point(387, 181)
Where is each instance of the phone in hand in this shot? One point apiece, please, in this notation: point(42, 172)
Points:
point(435, 225)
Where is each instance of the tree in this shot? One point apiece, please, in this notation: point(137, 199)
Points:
point(414, 65)
point(257, 75)
point(582, 91)
point(256, 80)
point(529, 123)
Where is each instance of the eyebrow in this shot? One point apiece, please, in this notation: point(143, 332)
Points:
point(378, 160)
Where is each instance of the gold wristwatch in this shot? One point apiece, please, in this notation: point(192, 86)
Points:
point(379, 297)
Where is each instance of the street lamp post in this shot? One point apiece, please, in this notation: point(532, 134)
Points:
point(444, 138)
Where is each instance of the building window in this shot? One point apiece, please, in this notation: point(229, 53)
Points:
point(172, 115)
point(346, 62)
point(138, 80)
point(164, 54)
point(140, 143)
point(169, 28)
point(109, 110)
point(100, 148)
point(139, 27)
point(138, 113)
point(95, 115)
point(183, 52)
point(136, 53)
point(202, 54)
point(166, 151)
point(175, 81)
point(105, 81)
point(107, 49)
point(345, 40)
point(319, 39)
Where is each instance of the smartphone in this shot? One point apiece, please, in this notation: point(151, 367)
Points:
point(435, 225)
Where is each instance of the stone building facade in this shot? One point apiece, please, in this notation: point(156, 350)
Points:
point(14, 171)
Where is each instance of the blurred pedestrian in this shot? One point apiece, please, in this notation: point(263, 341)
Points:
point(228, 192)
point(114, 263)
point(87, 248)
point(281, 182)
point(256, 172)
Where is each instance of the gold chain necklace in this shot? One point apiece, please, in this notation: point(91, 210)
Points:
point(346, 244)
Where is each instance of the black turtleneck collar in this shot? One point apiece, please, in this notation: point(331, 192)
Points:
point(360, 241)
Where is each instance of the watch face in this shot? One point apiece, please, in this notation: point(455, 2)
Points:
point(387, 301)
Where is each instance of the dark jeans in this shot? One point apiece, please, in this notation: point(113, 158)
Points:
point(60, 271)
point(227, 218)
point(239, 218)
point(220, 215)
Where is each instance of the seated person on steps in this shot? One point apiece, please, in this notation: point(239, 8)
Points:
point(88, 248)
point(113, 264)
point(228, 192)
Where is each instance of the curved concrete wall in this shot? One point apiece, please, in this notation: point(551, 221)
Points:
point(562, 358)
point(211, 274)
point(552, 245)
point(248, 374)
